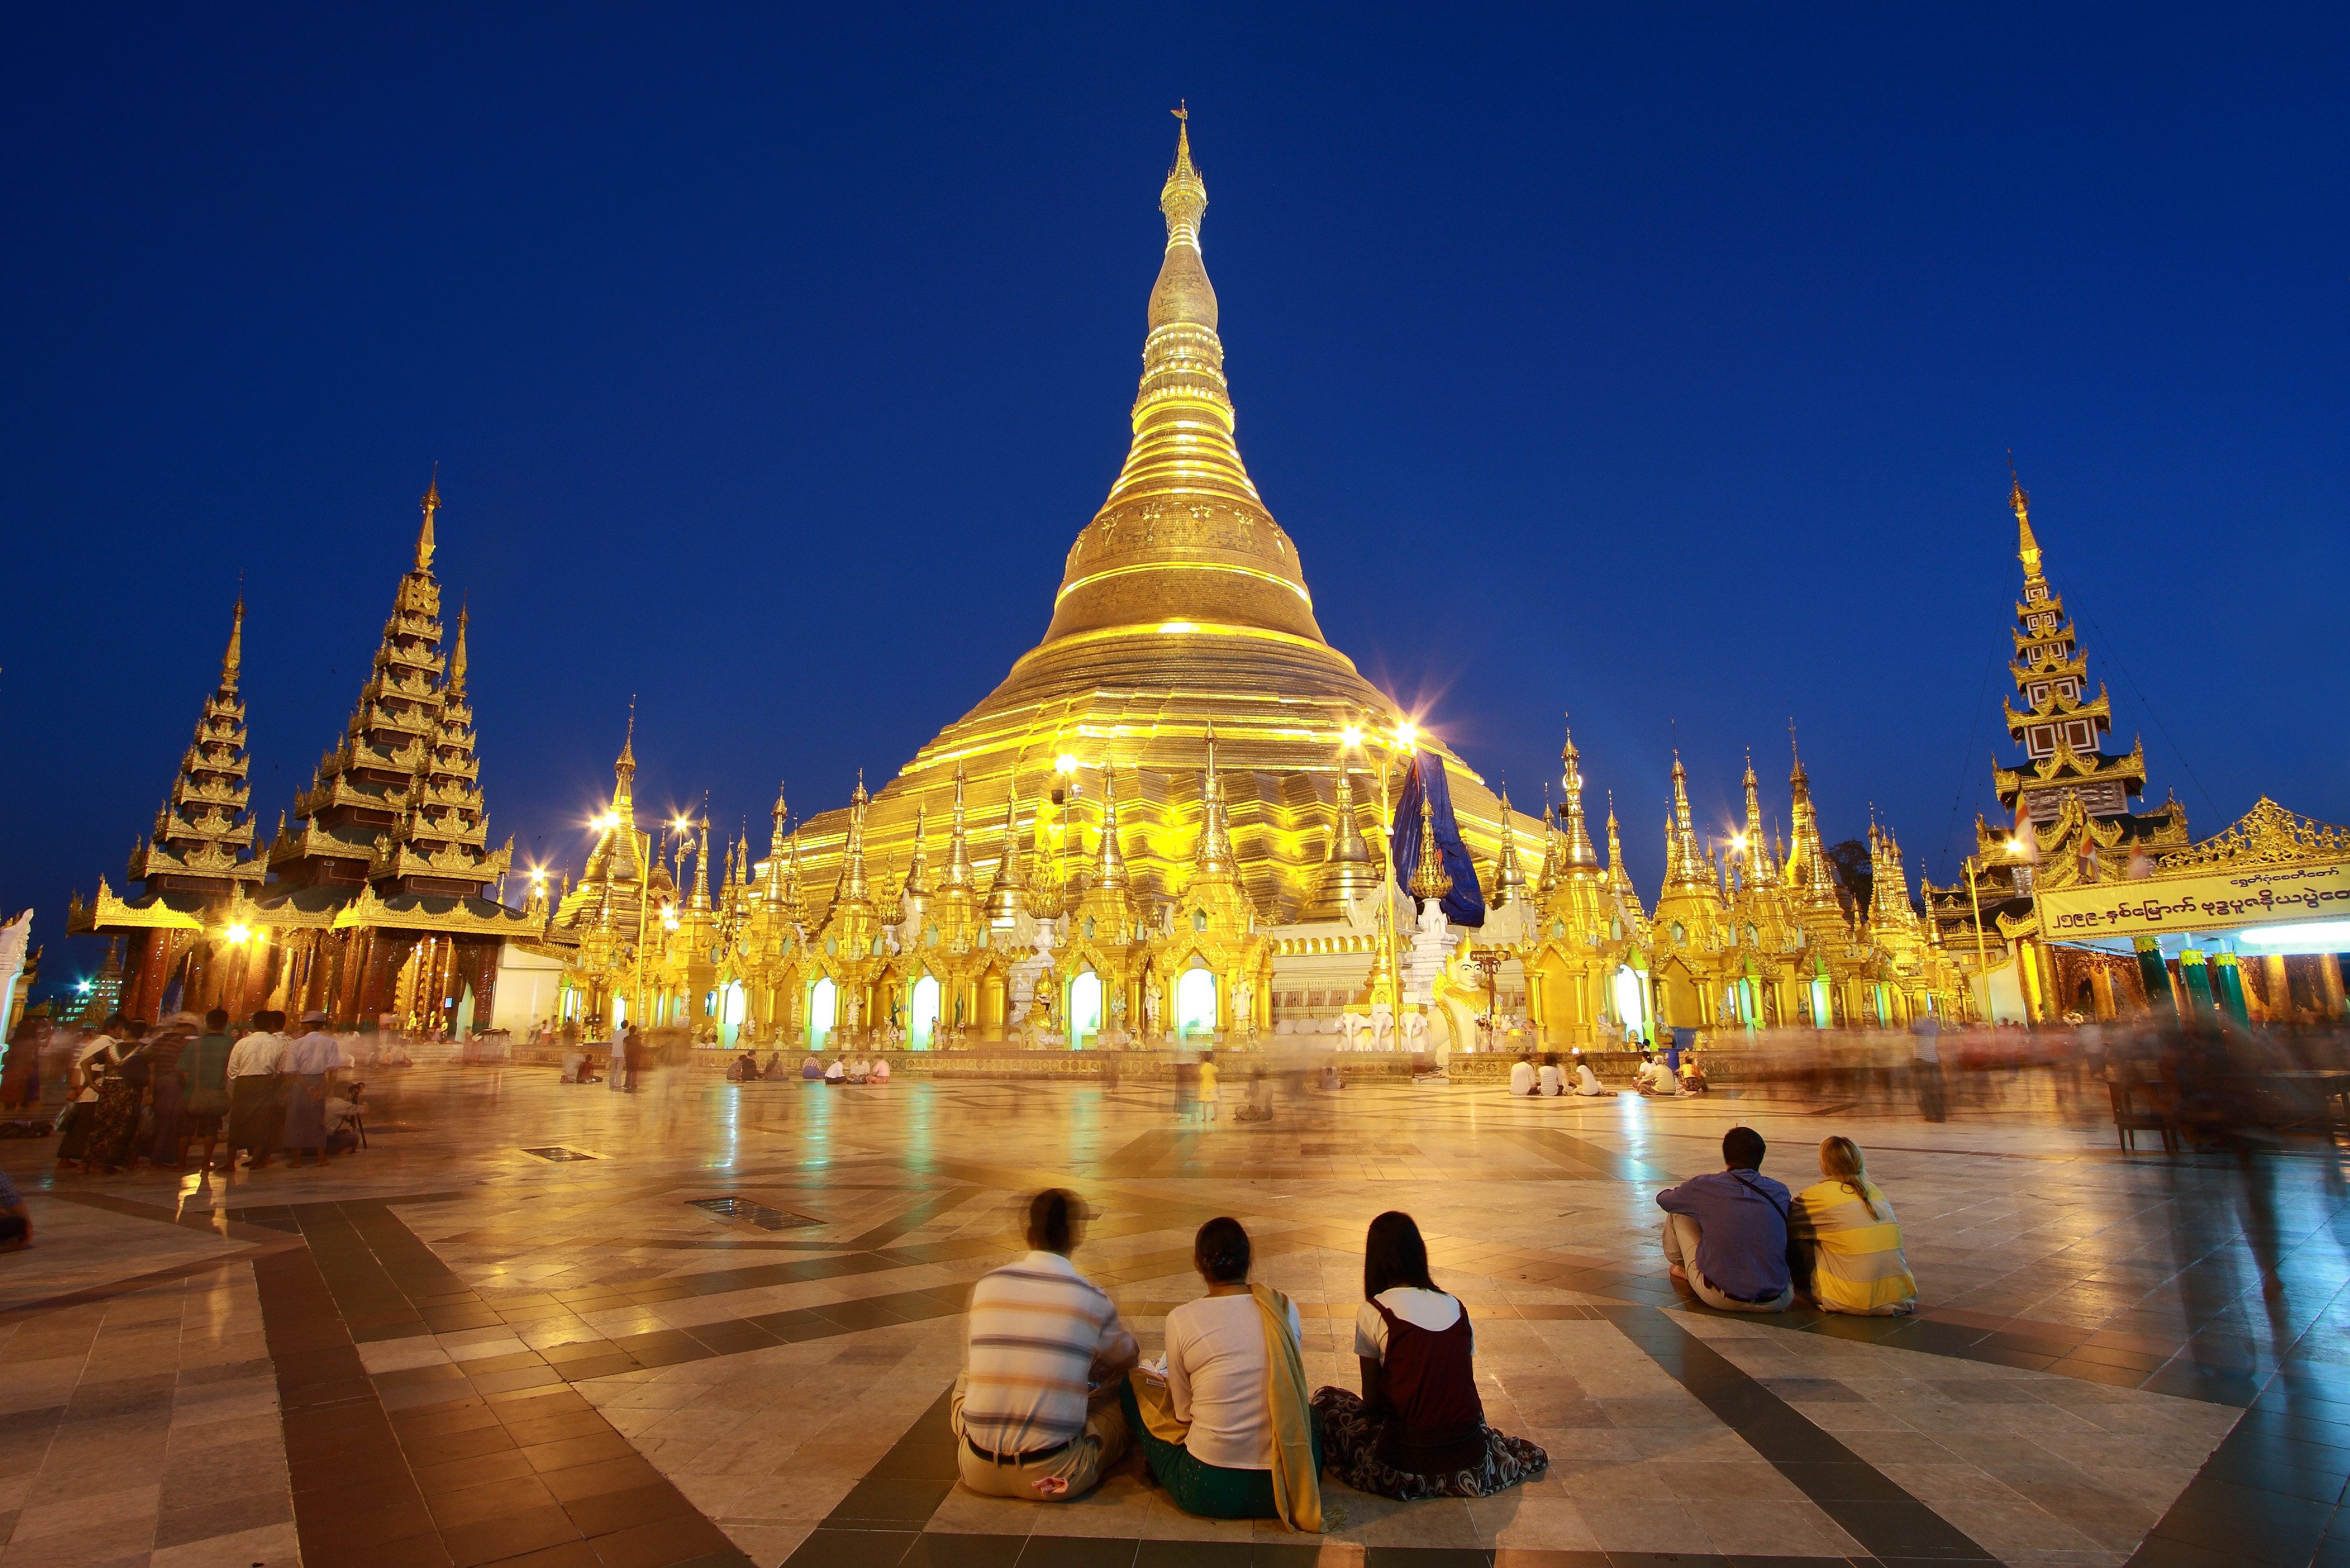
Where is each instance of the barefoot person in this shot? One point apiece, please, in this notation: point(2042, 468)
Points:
point(1419, 1429)
point(1231, 1435)
point(1848, 1237)
point(1726, 1231)
point(1029, 1417)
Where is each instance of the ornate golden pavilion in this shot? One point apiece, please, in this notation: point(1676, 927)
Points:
point(370, 900)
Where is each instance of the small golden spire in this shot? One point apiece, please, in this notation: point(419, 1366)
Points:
point(959, 878)
point(1185, 195)
point(1007, 896)
point(456, 685)
point(1110, 865)
point(233, 660)
point(2027, 546)
point(432, 504)
point(1428, 879)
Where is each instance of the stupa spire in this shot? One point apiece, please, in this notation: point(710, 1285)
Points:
point(1580, 855)
point(202, 837)
point(431, 506)
point(959, 877)
point(1428, 879)
point(1184, 538)
point(1007, 896)
point(2027, 546)
point(777, 843)
point(1214, 856)
point(852, 872)
point(1110, 862)
point(1509, 876)
point(1760, 871)
point(918, 869)
point(700, 896)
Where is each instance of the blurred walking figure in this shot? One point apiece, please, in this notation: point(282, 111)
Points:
point(1726, 1231)
point(20, 1080)
point(257, 1104)
point(113, 1141)
point(616, 1069)
point(310, 1059)
point(1205, 1096)
point(1419, 1429)
point(167, 1087)
point(1926, 1066)
point(204, 1065)
point(1849, 1240)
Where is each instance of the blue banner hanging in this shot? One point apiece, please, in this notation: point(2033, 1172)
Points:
point(1464, 905)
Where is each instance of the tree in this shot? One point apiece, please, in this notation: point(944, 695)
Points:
point(1856, 873)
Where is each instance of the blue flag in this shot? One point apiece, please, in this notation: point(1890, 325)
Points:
point(1464, 905)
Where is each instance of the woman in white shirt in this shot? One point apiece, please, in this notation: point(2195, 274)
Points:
point(1587, 1083)
point(1221, 1385)
point(1418, 1428)
point(1553, 1081)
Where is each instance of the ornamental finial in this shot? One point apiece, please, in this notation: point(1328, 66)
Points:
point(432, 504)
point(1185, 195)
point(2019, 501)
point(457, 655)
point(233, 660)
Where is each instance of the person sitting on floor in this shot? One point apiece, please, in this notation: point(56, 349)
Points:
point(1419, 1429)
point(1587, 1083)
point(1230, 1433)
point(1693, 1078)
point(1726, 1231)
point(838, 1072)
point(1656, 1078)
point(879, 1071)
point(1550, 1083)
point(1030, 1414)
point(1849, 1240)
point(1522, 1075)
point(813, 1068)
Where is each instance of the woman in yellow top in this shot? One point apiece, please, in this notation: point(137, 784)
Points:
point(1848, 1241)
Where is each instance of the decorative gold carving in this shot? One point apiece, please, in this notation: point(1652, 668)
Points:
point(2268, 835)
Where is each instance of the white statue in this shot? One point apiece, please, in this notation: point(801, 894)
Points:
point(1151, 1001)
point(1245, 1008)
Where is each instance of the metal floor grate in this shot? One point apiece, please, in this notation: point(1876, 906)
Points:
point(559, 1154)
point(751, 1211)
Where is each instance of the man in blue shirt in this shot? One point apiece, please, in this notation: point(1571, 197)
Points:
point(1726, 1231)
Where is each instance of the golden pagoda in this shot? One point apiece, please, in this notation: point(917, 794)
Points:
point(1182, 605)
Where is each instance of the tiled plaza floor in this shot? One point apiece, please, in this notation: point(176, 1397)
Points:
point(450, 1352)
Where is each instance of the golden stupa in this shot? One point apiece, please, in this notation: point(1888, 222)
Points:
point(1182, 607)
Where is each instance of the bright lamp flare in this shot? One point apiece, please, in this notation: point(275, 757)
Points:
point(1065, 764)
point(1352, 734)
point(2316, 936)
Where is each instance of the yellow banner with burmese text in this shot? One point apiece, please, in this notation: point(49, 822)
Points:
point(2208, 901)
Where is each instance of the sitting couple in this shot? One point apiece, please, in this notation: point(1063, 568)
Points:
point(1051, 1395)
point(1728, 1235)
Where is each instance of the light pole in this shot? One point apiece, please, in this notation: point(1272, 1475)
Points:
point(1383, 975)
point(2013, 847)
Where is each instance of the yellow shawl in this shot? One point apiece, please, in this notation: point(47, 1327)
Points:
point(1297, 1481)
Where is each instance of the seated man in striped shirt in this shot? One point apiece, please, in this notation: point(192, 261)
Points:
point(1042, 1339)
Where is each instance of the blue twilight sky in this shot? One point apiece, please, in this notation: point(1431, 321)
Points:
point(1654, 362)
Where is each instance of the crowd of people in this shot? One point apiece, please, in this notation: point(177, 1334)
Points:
point(127, 1093)
point(1669, 1074)
point(1054, 1391)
